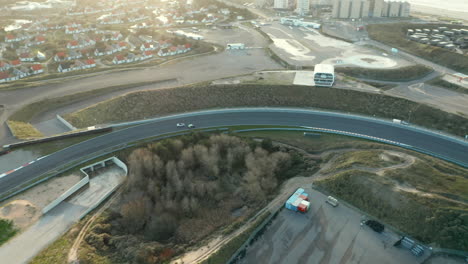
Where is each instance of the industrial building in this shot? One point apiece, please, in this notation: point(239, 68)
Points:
point(324, 75)
point(369, 8)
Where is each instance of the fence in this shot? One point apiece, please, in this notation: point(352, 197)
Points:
point(239, 254)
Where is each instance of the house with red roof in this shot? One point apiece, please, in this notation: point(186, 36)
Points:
point(146, 55)
point(74, 44)
point(37, 69)
point(148, 46)
point(4, 66)
point(40, 40)
point(11, 38)
point(15, 63)
point(90, 63)
point(71, 66)
point(164, 44)
point(4, 76)
point(60, 56)
point(119, 59)
point(26, 57)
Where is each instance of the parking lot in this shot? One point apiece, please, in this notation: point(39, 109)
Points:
point(324, 235)
point(307, 47)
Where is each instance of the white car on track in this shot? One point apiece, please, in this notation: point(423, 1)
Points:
point(180, 124)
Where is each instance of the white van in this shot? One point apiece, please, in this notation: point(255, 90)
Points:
point(333, 201)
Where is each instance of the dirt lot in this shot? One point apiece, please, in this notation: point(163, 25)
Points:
point(25, 208)
point(325, 235)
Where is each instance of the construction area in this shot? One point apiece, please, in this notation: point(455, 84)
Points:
point(317, 231)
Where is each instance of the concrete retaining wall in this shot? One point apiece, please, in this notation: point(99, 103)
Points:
point(84, 182)
point(117, 162)
point(65, 122)
point(66, 194)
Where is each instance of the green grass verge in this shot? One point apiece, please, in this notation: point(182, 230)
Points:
point(448, 85)
point(402, 74)
point(226, 252)
point(147, 104)
point(56, 253)
point(395, 35)
point(23, 130)
point(7, 230)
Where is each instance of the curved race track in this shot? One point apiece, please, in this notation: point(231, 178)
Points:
point(425, 140)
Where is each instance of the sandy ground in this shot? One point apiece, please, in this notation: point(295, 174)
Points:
point(52, 225)
point(457, 81)
point(25, 208)
point(432, 11)
point(307, 47)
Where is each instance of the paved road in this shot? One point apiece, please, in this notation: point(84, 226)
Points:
point(444, 146)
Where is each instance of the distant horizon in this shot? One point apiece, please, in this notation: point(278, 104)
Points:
point(451, 5)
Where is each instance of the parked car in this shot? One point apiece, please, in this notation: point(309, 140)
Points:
point(376, 226)
point(180, 124)
point(333, 201)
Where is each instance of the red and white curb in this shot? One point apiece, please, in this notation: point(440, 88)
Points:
point(20, 167)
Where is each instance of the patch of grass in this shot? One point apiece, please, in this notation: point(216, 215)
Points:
point(448, 85)
point(395, 35)
point(364, 158)
point(7, 230)
point(28, 112)
point(23, 130)
point(57, 252)
point(434, 179)
point(402, 74)
point(381, 86)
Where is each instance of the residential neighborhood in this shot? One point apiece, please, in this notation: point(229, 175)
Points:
point(106, 34)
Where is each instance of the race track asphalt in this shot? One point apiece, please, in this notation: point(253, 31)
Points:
point(423, 139)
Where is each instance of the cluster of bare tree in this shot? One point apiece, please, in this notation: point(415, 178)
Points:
point(170, 180)
point(180, 190)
